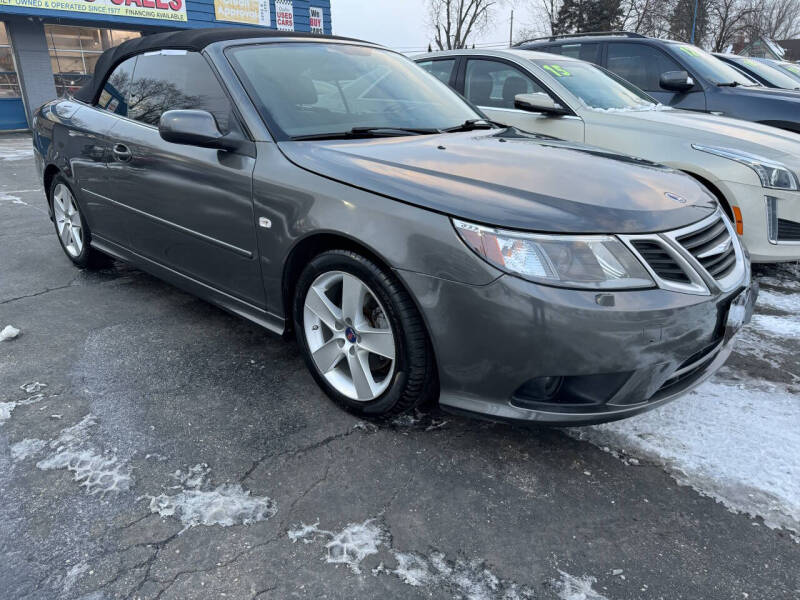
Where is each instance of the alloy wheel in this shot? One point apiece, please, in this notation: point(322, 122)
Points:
point(68, 220)
point(349, 335)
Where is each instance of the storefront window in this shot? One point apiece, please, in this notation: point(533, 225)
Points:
point(9, 84)
point(74, 51)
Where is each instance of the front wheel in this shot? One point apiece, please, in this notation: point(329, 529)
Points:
point(362, 336)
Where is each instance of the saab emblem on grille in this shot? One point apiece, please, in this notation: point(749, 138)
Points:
point(721, 248)
point(675, 197)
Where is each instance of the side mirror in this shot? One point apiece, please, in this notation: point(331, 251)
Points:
point(540, 103)
point(676, 81)
point(194, 128)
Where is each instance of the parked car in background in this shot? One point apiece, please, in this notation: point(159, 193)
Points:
point(415, 248)
point(766, 72)
point(680, 75)
point(752, 169)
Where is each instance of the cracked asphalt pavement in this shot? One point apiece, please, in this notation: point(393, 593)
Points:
point(172, 450)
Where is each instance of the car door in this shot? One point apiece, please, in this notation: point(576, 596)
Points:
point(188, 208)
point(90, 142)
point(492, 83)
point(642, 65)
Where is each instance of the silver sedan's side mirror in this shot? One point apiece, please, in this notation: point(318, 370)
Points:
point(194, 128)
point(540, 103)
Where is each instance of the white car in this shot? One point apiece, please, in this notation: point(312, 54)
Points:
point(752, 169)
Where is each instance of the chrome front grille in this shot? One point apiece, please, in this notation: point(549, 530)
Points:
point(712, 246)
point(693, 258)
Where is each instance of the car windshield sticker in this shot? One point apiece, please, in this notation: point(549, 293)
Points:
point(690, 50)
point(793, 69)
point(752, 63)
point(558, 70)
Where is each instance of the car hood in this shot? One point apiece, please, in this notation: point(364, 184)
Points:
point(765, 92)
point(708, 129)
point(511, 179)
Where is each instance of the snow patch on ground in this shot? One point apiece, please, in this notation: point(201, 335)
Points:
point(98, 473)
point(73, 574)
point(466, 579)
point(736, 443)
point(777, 326)
point(576, 588)
point(33, 387)
point(225, 505)
point(349, 546)
point(786, 302)
point(16, 150)
point(6, 408)
point(27, 448)
point(9, 332)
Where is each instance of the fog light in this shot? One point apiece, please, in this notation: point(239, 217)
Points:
point(541, 388)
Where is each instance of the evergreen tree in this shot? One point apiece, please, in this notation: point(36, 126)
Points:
point(579, 16)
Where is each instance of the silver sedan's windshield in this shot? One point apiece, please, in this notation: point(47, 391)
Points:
point(595, 88)
point(317, 89)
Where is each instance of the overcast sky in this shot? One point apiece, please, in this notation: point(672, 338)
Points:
point(403, 24)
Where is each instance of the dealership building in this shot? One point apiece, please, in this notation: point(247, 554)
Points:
point(48, 48)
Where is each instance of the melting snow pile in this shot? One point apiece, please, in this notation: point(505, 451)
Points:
point(26, 448)
point(470, 580)
point(6, 408)
point(98, 473)
point(736, 443)
point(225, 505)
point(9, 332)
point(576, 588)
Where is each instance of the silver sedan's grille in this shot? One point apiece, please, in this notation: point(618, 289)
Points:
point(693, 258)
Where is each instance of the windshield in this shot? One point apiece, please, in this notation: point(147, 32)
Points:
point(772, 75)
point(595, 88)
point(710, 67)
point(792, 69)
point(315, 89)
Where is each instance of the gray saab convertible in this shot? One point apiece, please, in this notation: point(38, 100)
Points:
point(332, 188)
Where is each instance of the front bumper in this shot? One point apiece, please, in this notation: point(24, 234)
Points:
point(632, 350)
point(771, 220)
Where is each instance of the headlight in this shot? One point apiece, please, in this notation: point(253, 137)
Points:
point(574, 261)
point(772, 174)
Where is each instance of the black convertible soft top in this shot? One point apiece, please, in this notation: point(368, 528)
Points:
point(187, 39)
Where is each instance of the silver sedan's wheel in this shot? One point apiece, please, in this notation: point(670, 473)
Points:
point(349, 336)
point(68, 220)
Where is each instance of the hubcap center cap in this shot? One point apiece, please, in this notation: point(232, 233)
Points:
point(350, 334)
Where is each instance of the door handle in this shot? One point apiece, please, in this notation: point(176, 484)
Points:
point(122, 152)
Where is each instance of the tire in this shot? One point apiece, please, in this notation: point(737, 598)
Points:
point(76, 242)
point(411, 379)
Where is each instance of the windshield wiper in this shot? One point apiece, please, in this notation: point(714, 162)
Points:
point(472, 125)
point(367, 132)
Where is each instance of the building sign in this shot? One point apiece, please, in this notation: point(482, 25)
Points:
point(253, 12)
point(284, 15)
point(315, 21)
point(166, 10)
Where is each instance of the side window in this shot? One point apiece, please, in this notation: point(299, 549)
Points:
point(115, 92)
point(550, 49)
point(641, 65)
point(441, 69)
point(589, 52)
point(495, 84)
point(176, 79)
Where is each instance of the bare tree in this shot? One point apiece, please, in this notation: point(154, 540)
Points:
point(774, 19)
point(728, 20)
point(454, 21)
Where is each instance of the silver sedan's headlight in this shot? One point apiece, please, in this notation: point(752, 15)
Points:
point(772, 174)
point(573, 261)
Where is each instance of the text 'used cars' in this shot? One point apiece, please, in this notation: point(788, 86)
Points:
point(334, 188)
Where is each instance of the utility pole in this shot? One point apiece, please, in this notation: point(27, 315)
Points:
point(694, 20)
point(511, 30)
